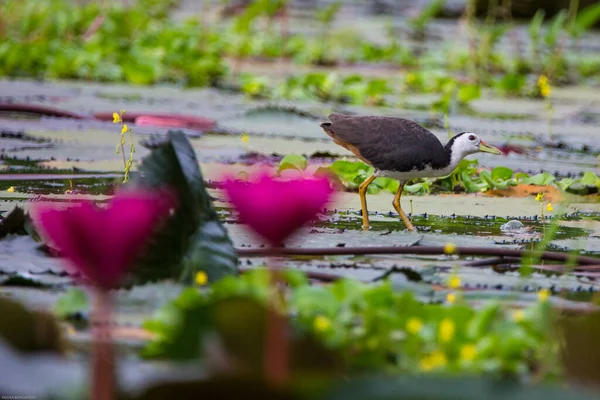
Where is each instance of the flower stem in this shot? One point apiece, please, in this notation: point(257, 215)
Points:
point(276, 339)
point(103, 364)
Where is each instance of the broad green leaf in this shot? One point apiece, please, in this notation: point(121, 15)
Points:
point(292, 161)
point(542, 179)
point(502, 173)
point(193, 239)
point(590, 179)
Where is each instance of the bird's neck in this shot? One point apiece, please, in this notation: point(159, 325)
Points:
point(454, 157)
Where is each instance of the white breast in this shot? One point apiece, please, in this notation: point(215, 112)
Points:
point(428, 172)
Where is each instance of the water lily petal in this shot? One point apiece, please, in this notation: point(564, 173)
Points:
point(102, 243)
point(275, 209)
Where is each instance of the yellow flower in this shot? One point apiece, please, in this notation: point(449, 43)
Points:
point(543, 295)
point(244, 138)
point(11, 189)
point(321, 323)
point(447, 328)
point(544, 86)
point(518, 315)
point(449, 248)
point(116, 118)
point(539, 197)
point(201, 278)
point(468, 352)
point(125, 128)
point(414, 325)
point(454, 282)
point(545, 91)
point(410, 78)
point(549, 207)
point(451, 298)
point(434, 360)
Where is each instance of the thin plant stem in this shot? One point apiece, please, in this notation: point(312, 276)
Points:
point(276, 338)
point(103, 363)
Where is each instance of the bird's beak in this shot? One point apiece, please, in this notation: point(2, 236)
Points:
point(486, 148)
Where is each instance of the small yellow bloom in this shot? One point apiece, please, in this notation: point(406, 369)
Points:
point(244, 138)
point(410, 78)
point(544, 86)
point(434, 360)
point(449, 248)
point(11, 189)
point(447, 328)
point(201, 278)
point(549, 207)
point(543, 295)
point(468, 352)
point(545, 91)
point(518, 315)
point(321, 323)
point(125, 128)
point(539, 197)
point(116, 118)
point(414, 325)
point(454, 282)
point(451, 298)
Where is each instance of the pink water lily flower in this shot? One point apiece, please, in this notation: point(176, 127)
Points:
point(102, 243)
point(275, 209)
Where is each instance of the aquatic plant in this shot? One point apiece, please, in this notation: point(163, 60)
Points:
point(376, 327)
point(127, 164)
point(101, 245)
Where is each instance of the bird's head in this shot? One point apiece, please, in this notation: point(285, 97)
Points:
point(467, 143)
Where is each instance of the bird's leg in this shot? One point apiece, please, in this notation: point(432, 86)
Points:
point(398, 208)
point(362, 192)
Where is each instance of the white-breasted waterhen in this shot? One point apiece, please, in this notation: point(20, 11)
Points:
point(400, 149)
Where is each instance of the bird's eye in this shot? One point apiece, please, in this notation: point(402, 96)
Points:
point(472, 137)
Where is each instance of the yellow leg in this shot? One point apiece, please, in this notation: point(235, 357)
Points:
point(398, 208)
point(362, 192)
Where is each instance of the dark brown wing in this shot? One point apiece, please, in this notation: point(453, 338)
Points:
point(388, 143)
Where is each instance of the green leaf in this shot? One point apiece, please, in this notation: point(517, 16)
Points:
point(536, 25)
point(468, 93)
point(586, 18)
point(542, 179)
point(558, 22)
point(590, 179)
point(73, 301)
point(292, 161)
point(193, 239)
point(502, 173)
